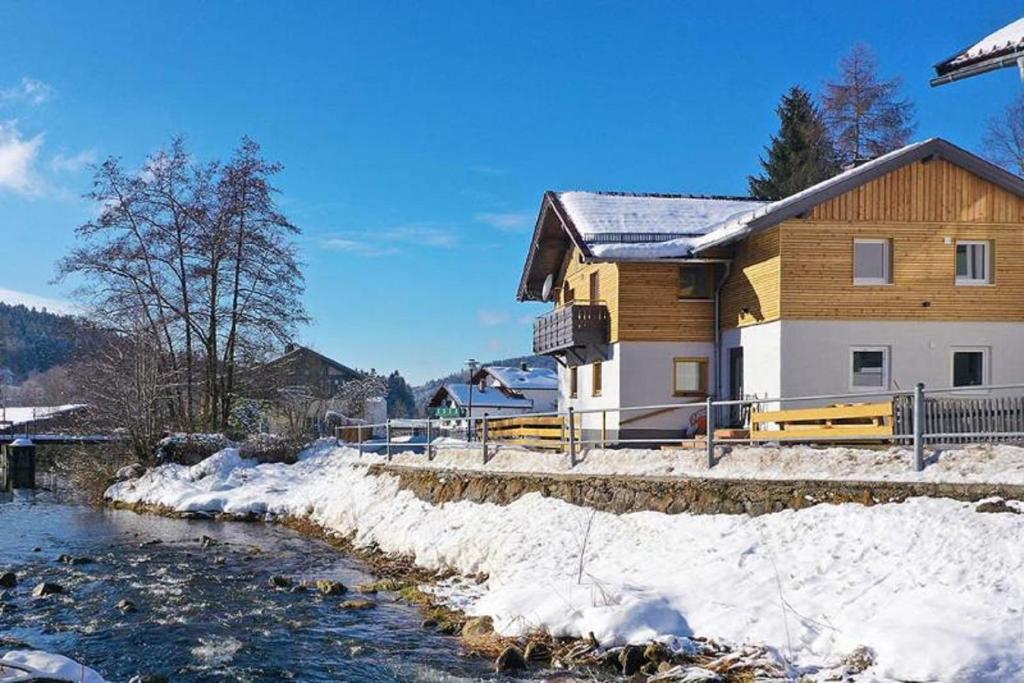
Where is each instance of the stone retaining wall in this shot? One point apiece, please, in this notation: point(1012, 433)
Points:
point(673, 495)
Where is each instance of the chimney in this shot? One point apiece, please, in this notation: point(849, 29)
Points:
point(289, 347)
point(523, 366)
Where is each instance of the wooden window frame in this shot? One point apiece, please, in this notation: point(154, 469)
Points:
point(886, 368)
point(709, 271)
point(595, 287)
point(886, 279)
point(704, 364)
point(596, 379)
point(986, 368)
point(574, 382)
point(989, 263)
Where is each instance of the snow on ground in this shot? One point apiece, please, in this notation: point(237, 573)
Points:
point(935, 588)
point(44, 665)
point(986, 463)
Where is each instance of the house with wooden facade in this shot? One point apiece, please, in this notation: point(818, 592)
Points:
point(908, 268)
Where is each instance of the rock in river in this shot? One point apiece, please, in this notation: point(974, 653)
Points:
point(327, 587)
point(126, 606)
point(280, 582)
point(8, 580)
point(46, 588)
point(510, 659)
point(358, 603)
point(480, 626)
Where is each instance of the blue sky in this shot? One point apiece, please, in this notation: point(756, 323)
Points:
point(418, 138)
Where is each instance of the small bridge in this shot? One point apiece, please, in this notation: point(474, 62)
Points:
point(18, 454)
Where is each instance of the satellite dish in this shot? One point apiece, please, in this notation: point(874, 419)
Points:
point(549, 282)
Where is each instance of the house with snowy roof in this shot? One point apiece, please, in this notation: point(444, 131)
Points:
point(1000, 49)
point(455, 403)
point(539, 385)
point(908, 268)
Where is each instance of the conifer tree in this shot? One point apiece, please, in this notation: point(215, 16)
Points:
point(800, 154)
point(866, 116)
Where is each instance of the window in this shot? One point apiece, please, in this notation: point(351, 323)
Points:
point(872, 262)
point(568, 295)
point(574, 382)
point(970, 367)
point(870, 368)
point(596, 377)
point(689, 376)
point(595, 288)
point(973, 263)
point(695, 281)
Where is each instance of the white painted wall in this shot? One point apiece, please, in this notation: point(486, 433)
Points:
point(816, 359)
point(646, 369)
point(585, 400)
point(762, 364)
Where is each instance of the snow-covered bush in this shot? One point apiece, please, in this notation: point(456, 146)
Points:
point(189, 449)
point(270, 448)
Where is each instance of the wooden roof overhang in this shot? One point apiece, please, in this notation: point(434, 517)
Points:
point(554, 236)
point(959, 66)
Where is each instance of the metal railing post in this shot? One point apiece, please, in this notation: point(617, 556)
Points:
point(919, 427)
point(360, 438)
point(709, 421)
point(484, 439)
point(604, 428)
point(430, 441)
point(387, 435)
point(572, 437)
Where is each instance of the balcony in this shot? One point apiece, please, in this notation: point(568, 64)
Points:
point(571, 326)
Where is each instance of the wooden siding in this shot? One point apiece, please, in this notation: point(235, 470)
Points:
point(754, 285)
point(650, 308)
point(577, 275)
point(925, 192)
point(817, 274)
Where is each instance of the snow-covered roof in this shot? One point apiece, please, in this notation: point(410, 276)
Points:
point(19, 415)
point(518, 379)
point(650, 227)
point(998, 49)
point(613, 223)
point(488, 397)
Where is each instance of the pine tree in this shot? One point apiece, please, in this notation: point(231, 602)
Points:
point(866, 116)
point(401, 402)
point(800, 155)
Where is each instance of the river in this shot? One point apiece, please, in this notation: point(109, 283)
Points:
point(205, 612)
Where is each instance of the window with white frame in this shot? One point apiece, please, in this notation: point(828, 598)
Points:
point(973, 263)
point(872, 261)
point(869, 367)
point(970, 367)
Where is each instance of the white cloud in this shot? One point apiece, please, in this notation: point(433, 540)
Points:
point(391, 240)
point(491, 318)
point(14, 297)
point(72, 164)
point(18, 157)
point(30, 90)
point(510, 221)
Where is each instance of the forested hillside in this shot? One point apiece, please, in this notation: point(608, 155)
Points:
point(34, 340)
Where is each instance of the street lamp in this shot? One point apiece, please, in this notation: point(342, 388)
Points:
point(471, 365)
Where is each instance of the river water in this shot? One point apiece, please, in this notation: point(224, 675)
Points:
point(204, 613)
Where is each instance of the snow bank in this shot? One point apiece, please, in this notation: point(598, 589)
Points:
point(935, 588)
point(983, 463)
point(37, 664)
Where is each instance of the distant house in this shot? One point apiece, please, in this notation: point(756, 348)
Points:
point(34, 419)
point(297, 386)
point(301, 366)
point(1000, 49)
point(459, 401)
point(539, 385)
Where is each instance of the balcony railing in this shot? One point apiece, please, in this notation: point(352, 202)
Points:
point(570, 326)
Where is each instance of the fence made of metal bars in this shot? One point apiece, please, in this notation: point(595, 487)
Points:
point(918, 417)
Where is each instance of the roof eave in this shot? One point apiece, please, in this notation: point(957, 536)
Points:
point(549, 203)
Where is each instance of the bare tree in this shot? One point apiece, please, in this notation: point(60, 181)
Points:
point(866, 115)
point(198, 258)
point(1004, 137)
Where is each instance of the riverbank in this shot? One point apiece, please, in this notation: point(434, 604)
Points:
point(814, 590)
